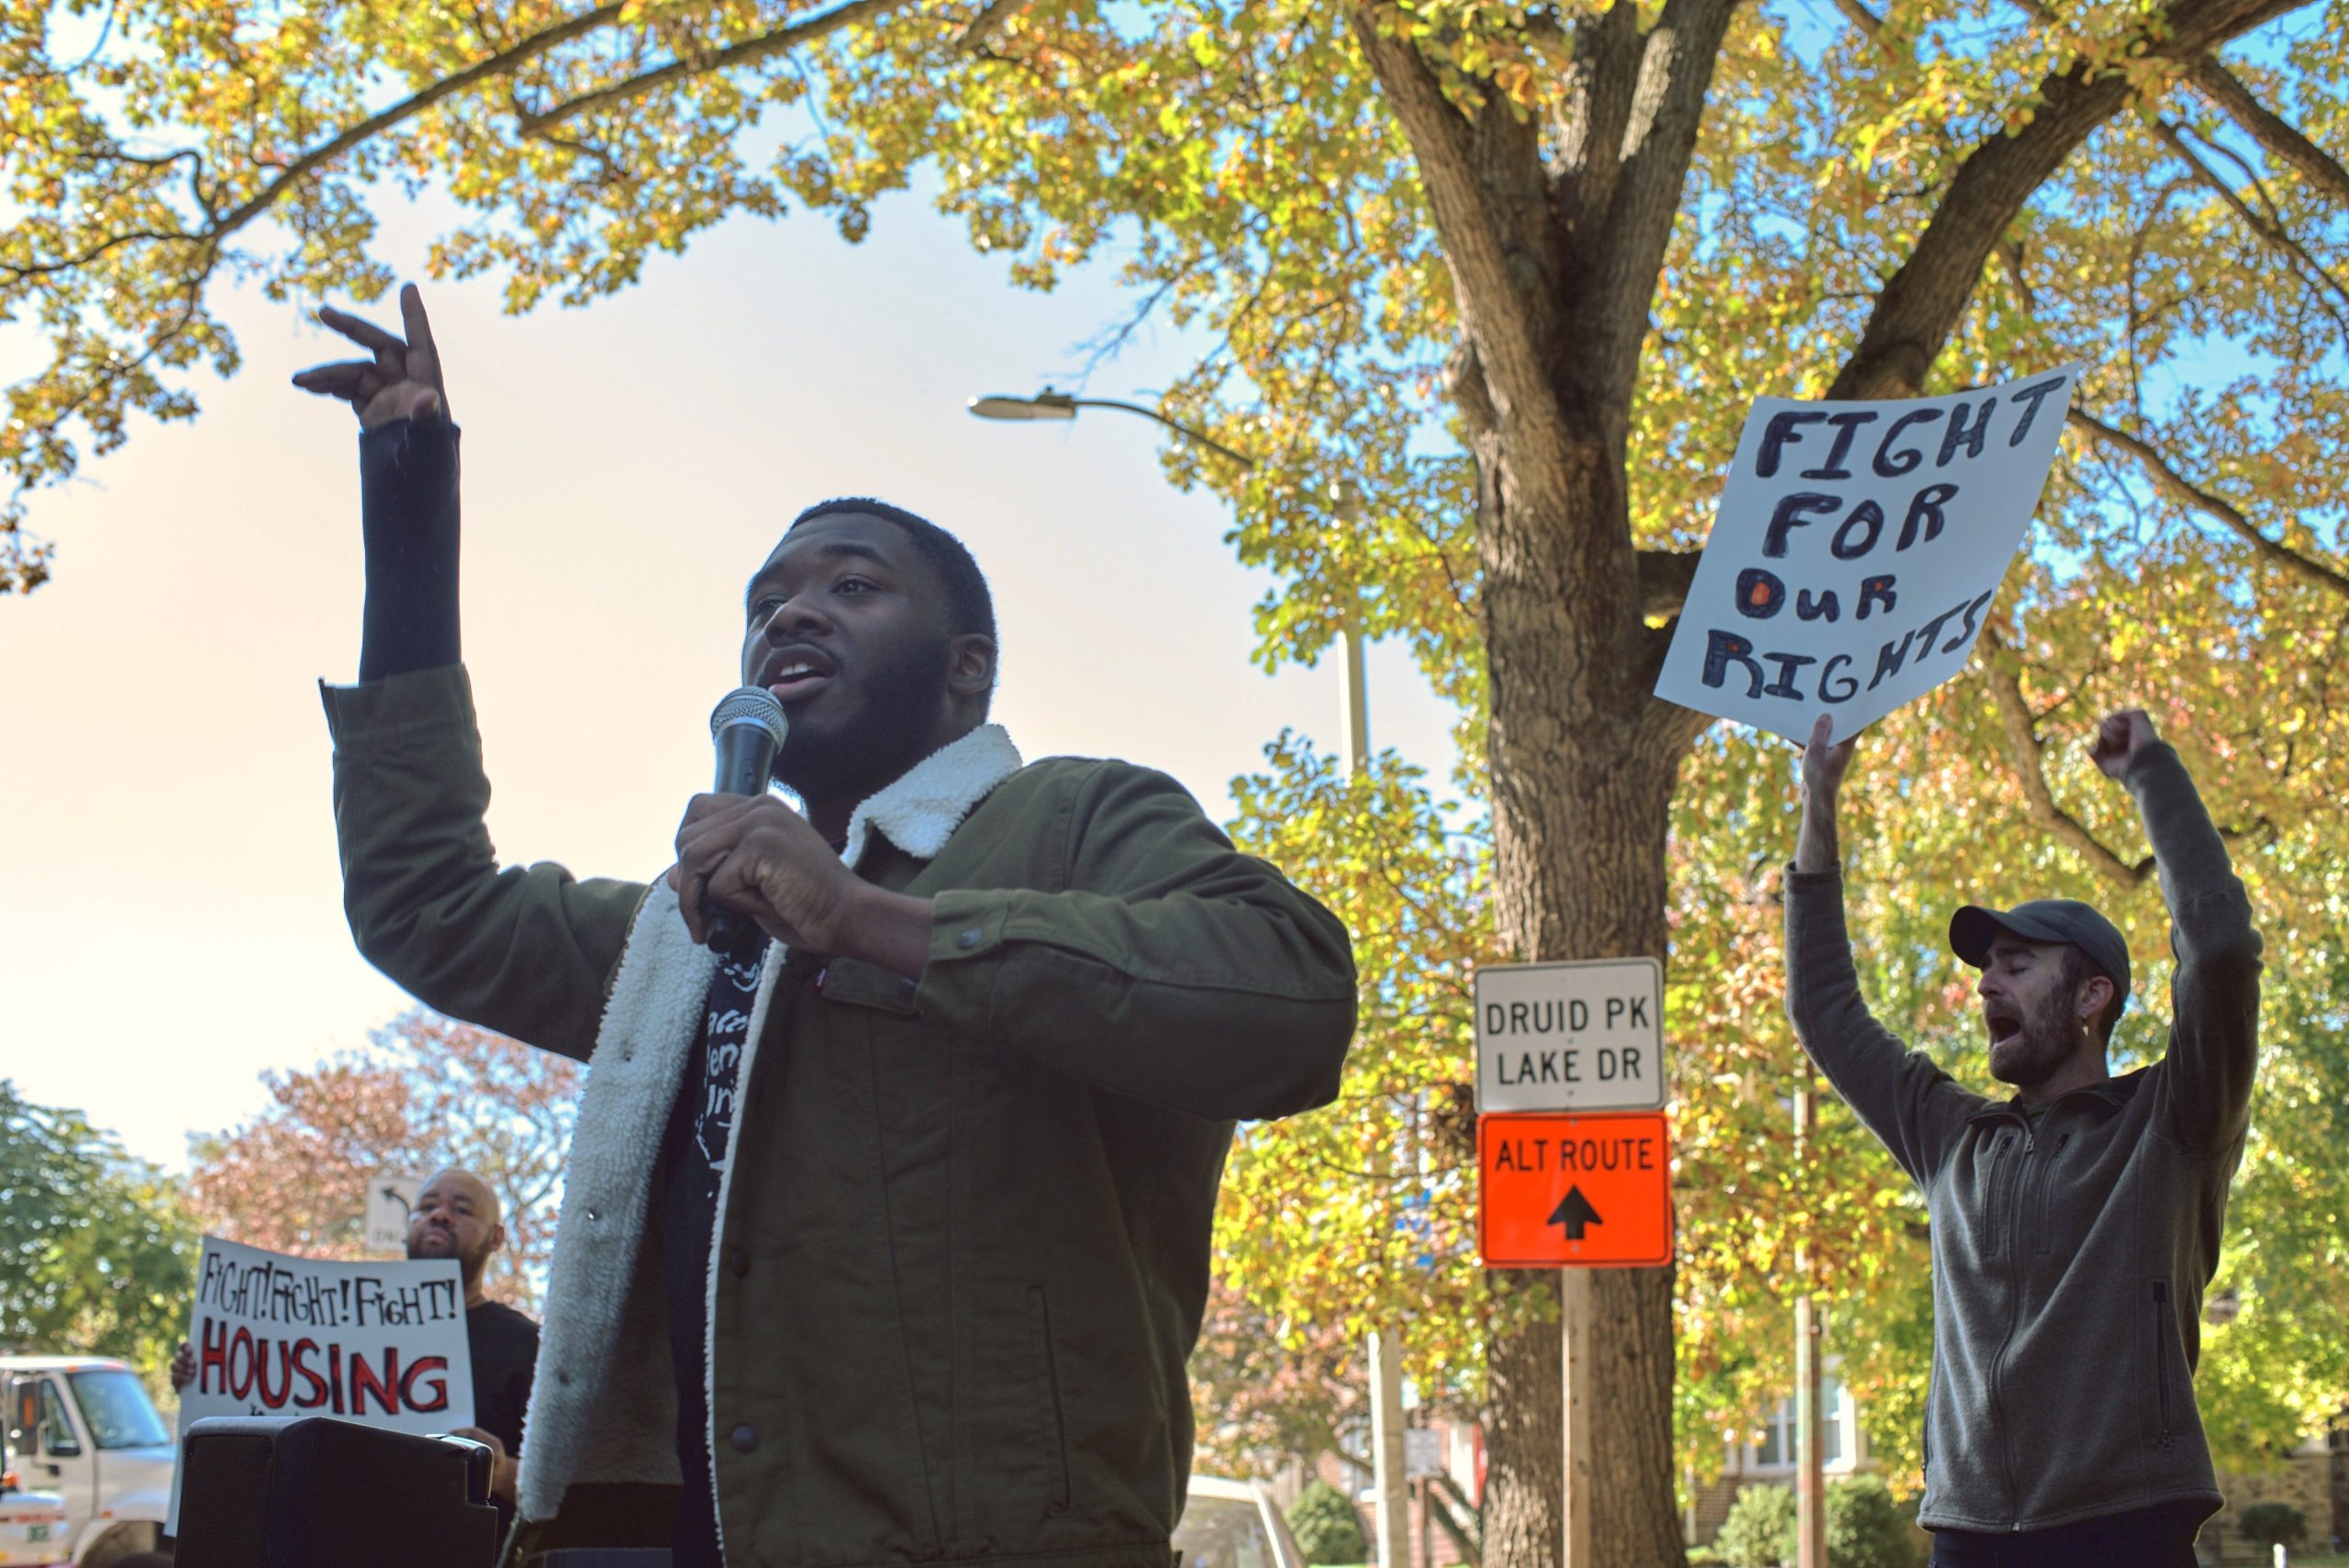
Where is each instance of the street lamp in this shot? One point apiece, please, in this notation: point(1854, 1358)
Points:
point(1051, 404)
point(1344, 497)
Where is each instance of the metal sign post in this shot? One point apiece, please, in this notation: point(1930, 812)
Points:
point(1574, 1158)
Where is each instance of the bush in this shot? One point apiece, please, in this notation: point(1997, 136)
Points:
point(1326, 1526)
point(1866, 1528)
point(1760, 1529)
point(2272, 1524)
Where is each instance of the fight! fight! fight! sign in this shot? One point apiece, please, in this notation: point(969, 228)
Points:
point(381, 1343)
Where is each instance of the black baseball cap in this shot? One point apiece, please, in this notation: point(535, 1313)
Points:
point(1973, 929)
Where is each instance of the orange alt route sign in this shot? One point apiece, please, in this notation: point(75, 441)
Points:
point(1575, 1191)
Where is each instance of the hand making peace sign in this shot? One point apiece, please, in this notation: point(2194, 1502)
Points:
point(402, 382)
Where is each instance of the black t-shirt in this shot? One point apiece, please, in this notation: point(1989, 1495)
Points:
point(693, 1162)
point(504, 1349)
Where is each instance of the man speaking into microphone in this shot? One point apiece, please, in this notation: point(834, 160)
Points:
point(885, 1232)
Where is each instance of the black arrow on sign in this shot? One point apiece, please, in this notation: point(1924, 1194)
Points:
point(1573, 1212)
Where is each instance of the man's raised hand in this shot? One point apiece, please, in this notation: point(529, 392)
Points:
point(2119, 740)
point(401, 381)
point(1823, 766)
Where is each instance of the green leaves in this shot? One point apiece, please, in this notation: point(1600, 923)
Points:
point(1365, 1213)
point(96, 1255)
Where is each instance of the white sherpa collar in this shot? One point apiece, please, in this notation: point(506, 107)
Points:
point(921, 809)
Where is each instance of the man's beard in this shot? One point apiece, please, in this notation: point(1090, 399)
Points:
point(2048, 1038)
point(469, 1267)
point(879, 744)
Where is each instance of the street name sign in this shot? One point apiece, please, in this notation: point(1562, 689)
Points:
point(1575, 1191)
point(1570, 1037)
point(390, 1201)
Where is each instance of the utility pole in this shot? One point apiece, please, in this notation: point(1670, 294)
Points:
point(1389, 1479)
point(1811, 1497)
point(1388, 1466)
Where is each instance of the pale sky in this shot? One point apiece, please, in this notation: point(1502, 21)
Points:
point(173, 926)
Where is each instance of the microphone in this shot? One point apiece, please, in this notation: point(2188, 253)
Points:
point(748, 728)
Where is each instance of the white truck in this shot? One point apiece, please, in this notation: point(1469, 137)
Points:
point(82, 1427)
point(32, 1525)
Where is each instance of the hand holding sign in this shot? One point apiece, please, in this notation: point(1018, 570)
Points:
point(1824, 763)
point(1857, 547)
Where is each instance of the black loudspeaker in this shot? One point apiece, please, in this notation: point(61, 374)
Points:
point(258, 1491)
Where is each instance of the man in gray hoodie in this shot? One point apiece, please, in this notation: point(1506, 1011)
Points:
point(2077, 1223)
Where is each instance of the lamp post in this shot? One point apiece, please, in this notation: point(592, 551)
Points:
point(1387, 1450)
point(1345, 498)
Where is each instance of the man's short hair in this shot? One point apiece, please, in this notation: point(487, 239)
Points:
point(2075, 968)
point(970, 607)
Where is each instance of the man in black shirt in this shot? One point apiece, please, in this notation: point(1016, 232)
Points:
point(458, 1216)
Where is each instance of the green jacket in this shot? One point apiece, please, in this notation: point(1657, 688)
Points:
point(2069, 1256)
point(962, 1243)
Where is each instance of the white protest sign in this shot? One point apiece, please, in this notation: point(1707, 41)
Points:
point(1856, 549)
point(381, 1343)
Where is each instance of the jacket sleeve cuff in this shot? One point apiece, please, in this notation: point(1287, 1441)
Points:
point(967, 955)
point(421, 700)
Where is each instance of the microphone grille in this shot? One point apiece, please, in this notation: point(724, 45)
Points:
point(749, 705)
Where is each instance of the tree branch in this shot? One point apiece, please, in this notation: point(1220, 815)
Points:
point(1860, 17)
point(979, 32)
point(502, 64)
point(1441, 1497)
point(2262, 125)
point(1927, 297)
point(749, 51)
point(1499, 314)
point(2183, 491)
point(2267, 227)
point(1667, 110)
point(1664, 577)
point(2028, 754)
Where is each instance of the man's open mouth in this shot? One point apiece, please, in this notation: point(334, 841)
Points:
point(2005, 1025)
point(797, 672)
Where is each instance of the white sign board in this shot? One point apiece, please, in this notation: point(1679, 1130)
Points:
point(390, 1201)
point(1570, 1037)
point(381, 1343)
point(1856, 549)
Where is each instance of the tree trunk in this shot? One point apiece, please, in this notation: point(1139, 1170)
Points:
point(1583, 761)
